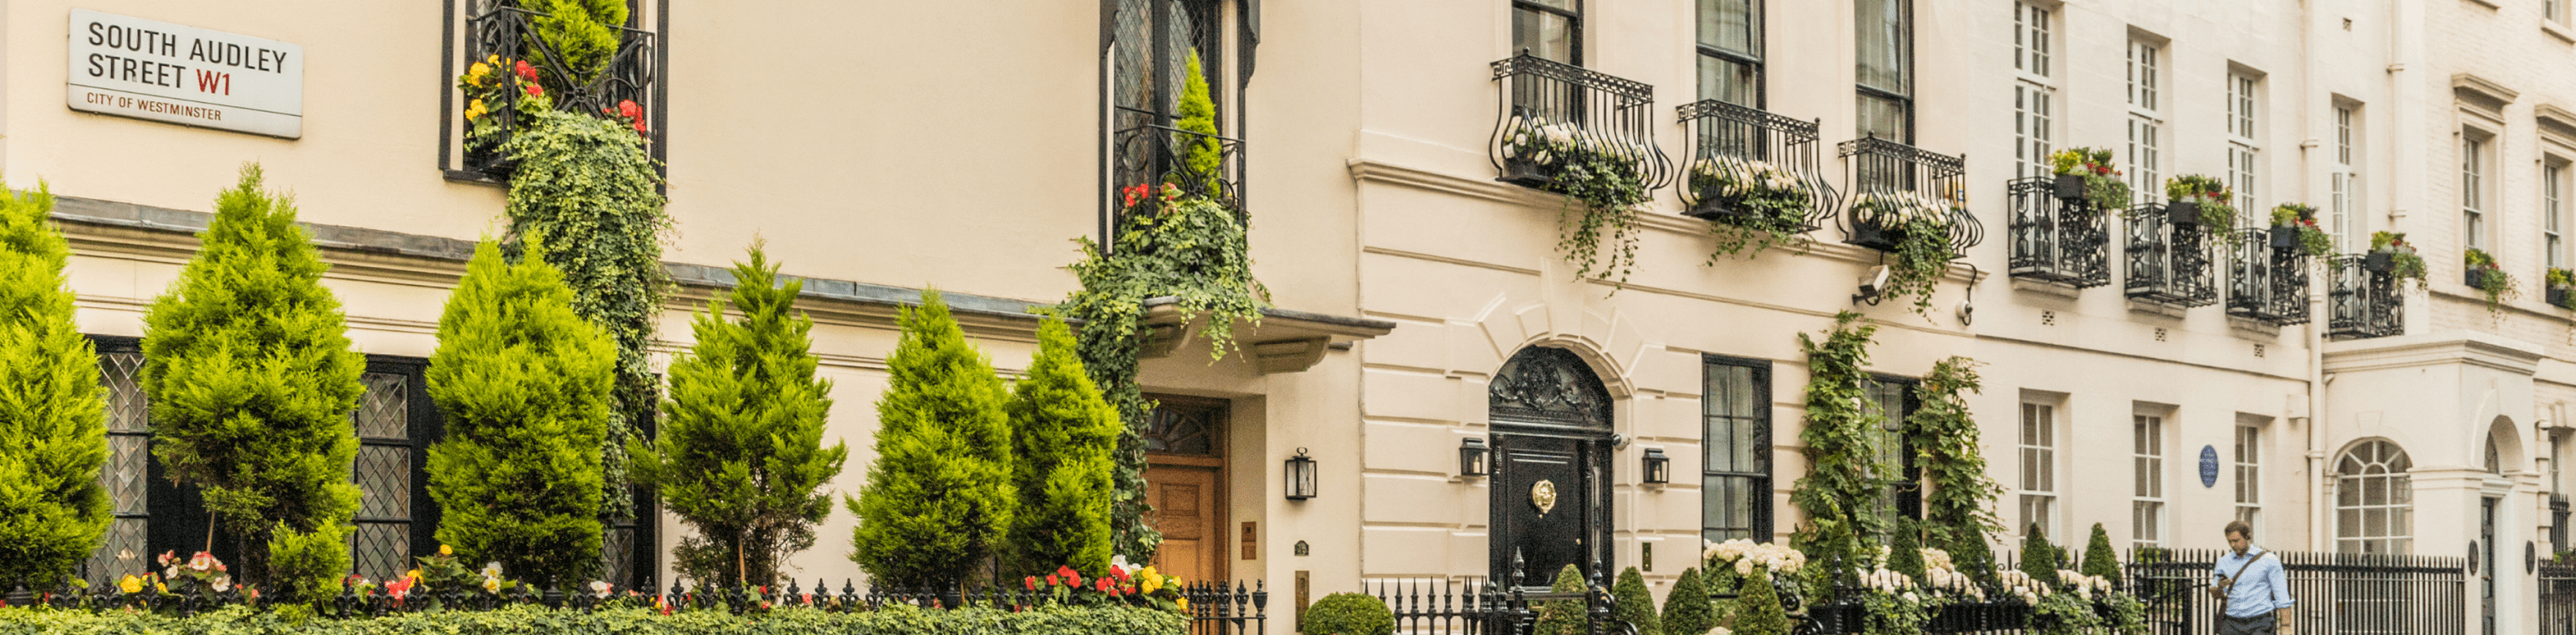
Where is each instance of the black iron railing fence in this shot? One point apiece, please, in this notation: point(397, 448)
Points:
point(2343, 593)
point(2266, 282)
point(2361, 303)
point(2558, 596)
point(1552, 114)
point(2058, 239)
point(1889, 181)
point(1734, 148)
point(1481, 607)
point(508, 32)
point(2168, 263)
point(1154, 154)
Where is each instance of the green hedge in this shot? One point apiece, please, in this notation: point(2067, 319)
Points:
point(532, 620)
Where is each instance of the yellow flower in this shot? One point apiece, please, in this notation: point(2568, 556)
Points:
point(1148, 582)
point(1185, 604)
point(492, 585)
point(130, 584)
point(160, 588)
point(478, 69)
point(415, 573)
point(445, 550)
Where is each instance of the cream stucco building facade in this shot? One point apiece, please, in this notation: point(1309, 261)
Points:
point(880, 148)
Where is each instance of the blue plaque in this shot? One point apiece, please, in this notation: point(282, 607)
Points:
point(2208, 466)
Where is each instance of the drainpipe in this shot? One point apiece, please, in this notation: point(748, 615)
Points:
point(2316, 293)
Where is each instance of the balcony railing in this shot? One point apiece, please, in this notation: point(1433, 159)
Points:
point(2168, 263)
point(2266, 282)
point(1155, 154)
point(1749, 168)
point(509, 33)
point(2361, 303)
point(1882, 175)
point(1553, 115)
point(2055, 239)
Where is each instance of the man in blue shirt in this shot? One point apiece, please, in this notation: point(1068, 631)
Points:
point(2253, 591)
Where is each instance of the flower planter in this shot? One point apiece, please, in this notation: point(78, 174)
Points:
point(2070, 186)
point(2558, 297)
point(2285, 236)
point(2379, 262)
point(2183, 213)
point(1528, 173)
point(2477, 276)
point(1873, 235)
point(1715, 208)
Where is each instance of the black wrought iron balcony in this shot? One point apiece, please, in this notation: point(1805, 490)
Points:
point(1556, 116)
point(622, 87)
point(1893, 185)
point(2169, 263)
point(2266, 282)
point(1750, 168)
point(1199, 164)
point(2058, 239)
point(2361, 303)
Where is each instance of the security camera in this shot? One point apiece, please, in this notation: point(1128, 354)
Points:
point(1967, 312)
point(1619, 441)
point(1872, 283)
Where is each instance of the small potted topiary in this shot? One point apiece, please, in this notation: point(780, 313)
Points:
point(2294, 226)
point(2087, 174)
point(1348, 614)
point(2199, 200)
point(2559, 281)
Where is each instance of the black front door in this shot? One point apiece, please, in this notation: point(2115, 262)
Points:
point(1547, 502)
point(1551, 482)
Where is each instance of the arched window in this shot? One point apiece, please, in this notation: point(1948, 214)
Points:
point(2374, 500)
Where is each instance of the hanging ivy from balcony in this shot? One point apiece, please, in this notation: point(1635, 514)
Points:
point(1604, 193)
point(1174, 239)
point(1923, 228)
point(585, 186)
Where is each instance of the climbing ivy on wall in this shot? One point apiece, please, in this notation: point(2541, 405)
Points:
point(1956, 516)
point(1839, 493)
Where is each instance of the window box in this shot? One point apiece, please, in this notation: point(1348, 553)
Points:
point(2557, 297)
point(2362, 301)
point(2183, 213)
point(1753, 169)
point(508, 33)
point(2285, 236)
point(2169, 262)
point(1553, 115)
point(2070, 186)
point(2058, 238)
point(2477, 276)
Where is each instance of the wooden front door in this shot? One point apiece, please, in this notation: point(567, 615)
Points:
point(1185, 482)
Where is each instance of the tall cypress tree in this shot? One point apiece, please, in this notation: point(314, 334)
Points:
point(525, 385)
point(248, 366)
point(53, 434)
point(1063, 434)
point(741, 455)
point(938, 498)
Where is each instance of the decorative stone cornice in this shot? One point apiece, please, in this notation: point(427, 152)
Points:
point(2434, 349)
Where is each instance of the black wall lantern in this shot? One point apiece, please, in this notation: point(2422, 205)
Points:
point(1659, 469)
point(1471, 457)
point(1301, 476)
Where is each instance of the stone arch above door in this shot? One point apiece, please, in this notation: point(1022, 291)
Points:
point(1549, 385)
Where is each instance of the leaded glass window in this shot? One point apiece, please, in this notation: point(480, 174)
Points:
point(127, 475)
point(1186, 426)
point(381, 547)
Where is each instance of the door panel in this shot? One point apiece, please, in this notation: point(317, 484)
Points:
point(1187, 512)
point(1545, 535)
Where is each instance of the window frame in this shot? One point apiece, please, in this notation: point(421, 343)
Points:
point(2394, 480)
point(1901, 96)
point(425, 425)
point(2344, 181)
point(2146, 118)
point(2244, 141)
point(2553, 210)
point(1574, 26)
point(2147, 502)
point(2034, 88)
point(1906, 491)
point(2475, 155)
point(1759, 510)
point(1756, 33)
point(2040, 416)
point(2248, 466)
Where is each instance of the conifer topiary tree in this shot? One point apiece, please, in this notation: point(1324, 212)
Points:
point(1635, 604)
point(1202, 156)
point(1758, 610)
point(53, 431)
point(2098, 557)
point(2038, 558)
point(584, 32)
point(1905, 553)
point(1974, 557)
point(251, 378)
point(741, 454)
point(1562, 617)
point(525, 384)
point(938, 498)
point(1687, 610)
point(1063, 435)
